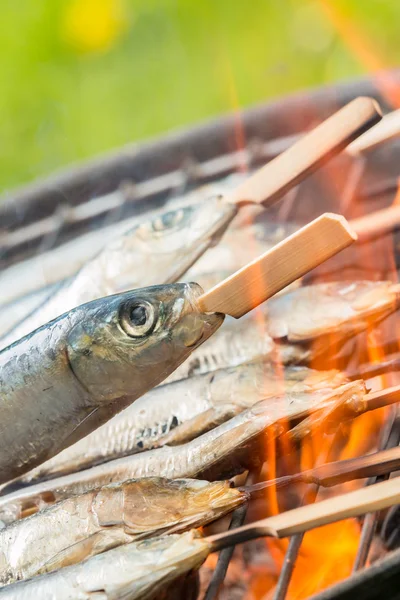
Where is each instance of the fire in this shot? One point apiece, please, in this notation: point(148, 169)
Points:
point(326, 556)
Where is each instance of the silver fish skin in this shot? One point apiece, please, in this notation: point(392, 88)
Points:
point(137, 571)
point(343, 308)
point(198, 403)
point(238, 342)
point(284, 326)
point(108, 517)
point(216, 454)
point(154, 252)
point(70, 376)
point(239, 246)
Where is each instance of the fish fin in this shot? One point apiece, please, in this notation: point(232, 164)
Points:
point(94, 544)
point(209, 419)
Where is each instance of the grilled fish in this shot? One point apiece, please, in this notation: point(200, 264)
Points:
point(237, 342)
point(155, 252)
point(142, 570)
point(70, 376)
point(113, 515)
point(293, 328)
point(344, 308)
point(220, 453)
point(180, 411)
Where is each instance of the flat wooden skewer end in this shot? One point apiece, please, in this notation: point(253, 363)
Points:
point(387, 129)
point(305, 156)
point(278, 267)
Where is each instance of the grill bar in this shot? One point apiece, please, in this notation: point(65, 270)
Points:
point(224, 558)
point(293, 550)
point(291, 555)
point(380, 581)
point(390, 438)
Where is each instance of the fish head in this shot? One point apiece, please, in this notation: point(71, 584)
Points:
point(167, 245)
point(157, 504)
point(124, 345)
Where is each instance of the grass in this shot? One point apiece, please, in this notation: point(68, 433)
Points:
point(82, 76)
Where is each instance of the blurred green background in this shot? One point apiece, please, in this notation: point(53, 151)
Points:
point(82, 76)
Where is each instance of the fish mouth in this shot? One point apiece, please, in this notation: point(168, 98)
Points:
point(193, 326)
point(196, 328)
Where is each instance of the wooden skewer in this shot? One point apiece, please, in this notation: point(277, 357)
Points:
point(276, 268)
point(377, 223)
point(307, 154)
point(387, 129)
point(391, 364)
point(368, 499)
point(348, 408)
point(334, 473)
point(382, 398)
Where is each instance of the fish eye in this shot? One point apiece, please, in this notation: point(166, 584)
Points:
point(138, 318)
point(168, 220)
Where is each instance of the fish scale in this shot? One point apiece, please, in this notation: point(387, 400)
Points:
point(202, 457)
point(144, 570)
point(108, 517)
point(157, 417)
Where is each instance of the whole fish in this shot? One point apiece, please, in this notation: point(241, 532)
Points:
point(138, 571)
point(113, 515)
point(220, 453)
point(154, 252)
point(180, 411)
point(287, 326)
point(342, 308)
point(70, 376)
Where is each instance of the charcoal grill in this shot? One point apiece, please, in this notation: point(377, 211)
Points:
point(44, 216)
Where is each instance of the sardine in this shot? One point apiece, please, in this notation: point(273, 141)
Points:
point(137, 571)
point(341, 308)
point(237, 342)
point(70, 376)
point(113, 515)
point(178, 412)
point(220, 453)
point(287, 326)
point(155, 252)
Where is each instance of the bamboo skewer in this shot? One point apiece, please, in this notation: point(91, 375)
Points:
point(335, 473)
point(307, 154)
point(365, 500)
point(353, 504)
point(349, 408)
point(377, 223)
point(387, 129)
point(366, 371)
point(276, 268)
